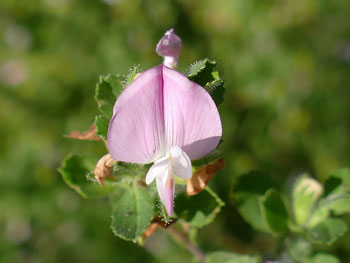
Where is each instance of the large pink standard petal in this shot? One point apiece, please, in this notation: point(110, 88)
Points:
point(136, 130)
point(161, 109)
point(192, 120)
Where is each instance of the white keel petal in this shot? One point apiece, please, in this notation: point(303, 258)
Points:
point(159, 168)
point(181, 163)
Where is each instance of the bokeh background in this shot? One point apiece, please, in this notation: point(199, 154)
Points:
point(286, 111)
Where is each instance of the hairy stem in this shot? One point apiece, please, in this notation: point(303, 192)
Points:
point(181, 236)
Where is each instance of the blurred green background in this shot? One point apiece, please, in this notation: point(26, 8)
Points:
point(286, 111)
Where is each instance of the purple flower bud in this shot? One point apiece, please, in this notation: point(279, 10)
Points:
point(169, 48)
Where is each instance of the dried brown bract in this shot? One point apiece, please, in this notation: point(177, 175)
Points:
point(203, 175)
point(88, 135)
point(104, 168)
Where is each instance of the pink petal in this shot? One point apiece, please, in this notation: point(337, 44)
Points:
point(136, 131)
point(180, 163)
point(161, 109)
point(165, 187)
point(192, 120)
point(169, 47)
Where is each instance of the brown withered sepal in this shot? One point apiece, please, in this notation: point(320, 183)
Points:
point(104, 168)
point(203, 175)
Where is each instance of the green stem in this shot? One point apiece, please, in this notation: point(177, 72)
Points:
point(182, 237)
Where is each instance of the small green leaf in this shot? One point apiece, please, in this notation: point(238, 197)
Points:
point(214, 155)
point(328, 231)
point(131, 75)
point(323, 258)
point(229, 257)
point(338, 182)
point(274, 212)
point(198, 210)
point(317, 216)
point(133, 211)
point(101, 123)
point(116, 83)
point(129, 171)
point(339, 204)
point(75, 173)
point(196, 68)
point(248, 191)
point(205, 73)
point(107, 90)
point(299, 250)
point(305, 194)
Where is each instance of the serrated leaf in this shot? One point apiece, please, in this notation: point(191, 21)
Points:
point(75, 173)
point(306, 192)
point(229, 257)
point(328, 231)
point(196, 67)
point(130, 77)
point(274, 212)
point(101, 123)
point(133, 211)
point(115, 82)
point(198, 210)
point(107, 90)
point(248, 191)
point(323, 258)
point(205, 73)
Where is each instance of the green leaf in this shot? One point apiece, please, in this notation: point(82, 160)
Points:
point(338, 182)
point(327, 231)
point(116, 83)
point(196, 68)
point(317, 216)
point(107, 90)
point(274, 212)
point(339, 204)
point(75, 173)
point(205, 73)
point(323, 258)
point(305, 194)
point(299, 250)
point(131, 75)
point(248, 191)
point(129, 171)
point(214, 155)
point(198, 210)
point(133, 211)
point(229, 257)
point(101, 123)
point(337, 200)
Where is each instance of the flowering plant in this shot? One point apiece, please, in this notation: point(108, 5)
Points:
point(158, 116)
point(159, 124)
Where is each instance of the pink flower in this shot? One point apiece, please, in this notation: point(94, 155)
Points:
point(169, 47)
point(164, 118)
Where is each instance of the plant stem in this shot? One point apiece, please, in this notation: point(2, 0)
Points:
point(183, 238)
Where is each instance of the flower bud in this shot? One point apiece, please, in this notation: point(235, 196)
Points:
point(169, 47)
